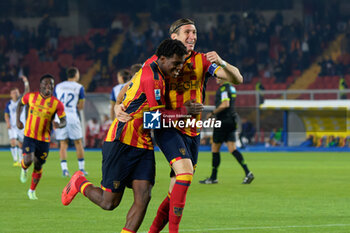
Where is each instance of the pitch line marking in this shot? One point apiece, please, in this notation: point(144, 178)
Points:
point(259, 228)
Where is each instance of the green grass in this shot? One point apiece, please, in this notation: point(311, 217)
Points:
point(292, 192)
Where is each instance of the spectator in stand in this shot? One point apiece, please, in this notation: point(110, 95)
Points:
point(308, 142)
point(259, 87)
point(342, 87)
point(92, 133)
point(248, 132)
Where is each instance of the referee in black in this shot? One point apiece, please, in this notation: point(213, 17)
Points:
point(225, 111)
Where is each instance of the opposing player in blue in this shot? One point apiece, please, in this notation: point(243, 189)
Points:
point(72, 95)
point(123, 77)
point(16, 135)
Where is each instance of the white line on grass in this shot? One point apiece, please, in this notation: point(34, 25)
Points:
point(258, 228)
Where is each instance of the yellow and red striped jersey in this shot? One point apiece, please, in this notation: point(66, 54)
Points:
point(41, 113)
point(145, 93)
point(190, 84)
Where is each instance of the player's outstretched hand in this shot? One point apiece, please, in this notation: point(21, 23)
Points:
point(193, 107)
point(120, 114)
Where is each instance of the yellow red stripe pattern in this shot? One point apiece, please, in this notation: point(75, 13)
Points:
point(41, 113)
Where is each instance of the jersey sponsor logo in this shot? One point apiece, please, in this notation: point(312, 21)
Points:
point(151, 120)
point(183, 86)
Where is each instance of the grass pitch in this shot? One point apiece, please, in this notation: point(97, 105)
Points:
point(292, 192)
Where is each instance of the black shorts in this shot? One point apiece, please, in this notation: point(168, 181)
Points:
point(176, 145)
point(227, 131)
point(40, 148)
point(121, 164)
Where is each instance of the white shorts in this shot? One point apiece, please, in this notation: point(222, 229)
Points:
point(71, 131)
point(15, 133)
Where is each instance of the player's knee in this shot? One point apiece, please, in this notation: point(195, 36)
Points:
point(109, 205)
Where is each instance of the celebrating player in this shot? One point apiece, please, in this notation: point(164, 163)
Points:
point(225, 112)
point(15, 135)
point(180, 145)
point(72, 95)
point(128, 156)
point(42, 107)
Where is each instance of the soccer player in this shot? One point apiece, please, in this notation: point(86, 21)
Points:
point(225, 112)
point(72, 95)
point(128, 156)
point(42, 107)
point(15, 135)
point(180, 145)
point(123, 77)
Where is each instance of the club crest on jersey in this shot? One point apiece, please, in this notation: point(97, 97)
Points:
point(27, 148)
point(157, 94)
point(49, 104)
point(151, 120)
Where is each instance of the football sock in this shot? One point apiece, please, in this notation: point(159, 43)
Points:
point(14, 153)
point(81, 184)
point(20, 157)
point(81, 164)
point(126, 230)
point(162, 216)
point(241, 161)
point(36, 175)
point(64, 165)
point(215, 163)
point(178, 199)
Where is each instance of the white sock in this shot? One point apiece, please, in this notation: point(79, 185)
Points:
point(81, 164)
point(14, 153)
point(64, 165)
point(20, 156)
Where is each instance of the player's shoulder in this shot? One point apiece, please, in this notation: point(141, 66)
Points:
point(150, 60)
point(8, 103)
point(146, 71)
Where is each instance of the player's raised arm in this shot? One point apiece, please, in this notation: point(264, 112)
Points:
point(26, 84)
point(226, 71)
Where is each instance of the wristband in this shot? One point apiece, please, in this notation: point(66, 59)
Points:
point(223, 64)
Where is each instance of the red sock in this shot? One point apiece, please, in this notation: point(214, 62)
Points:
point(36, 175)
point(177, 200)
point(81, 183)
point(162, 217)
